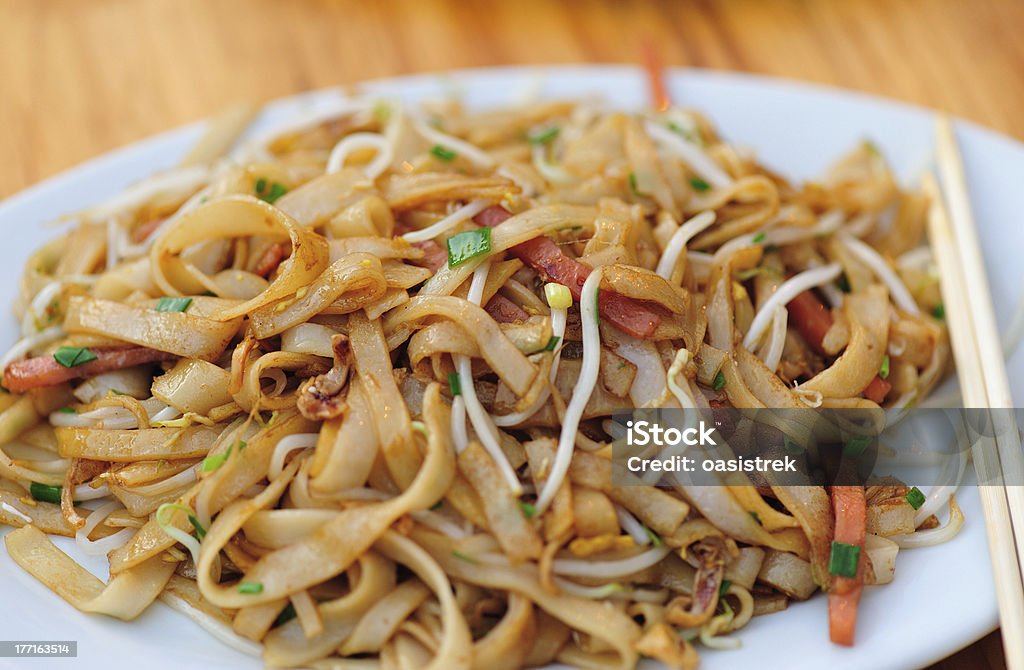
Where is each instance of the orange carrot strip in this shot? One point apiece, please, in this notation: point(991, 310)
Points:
point(877, 390)
point(850, 508)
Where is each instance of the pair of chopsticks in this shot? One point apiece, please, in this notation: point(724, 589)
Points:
point(983, 383)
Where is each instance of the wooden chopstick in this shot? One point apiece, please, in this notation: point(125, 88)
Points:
point(982, 373)
point(983, 321)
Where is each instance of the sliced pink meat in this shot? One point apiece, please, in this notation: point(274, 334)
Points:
point(504, 310)
point(45, 371)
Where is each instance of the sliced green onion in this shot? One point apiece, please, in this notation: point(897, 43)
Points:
point(69, 357)
point(544, 136)
point(467, 245)
point(443, 153)
point(690, 135)
point(719, 382)
point(454, 383)
point(173, 304)
point(271, 194)
point(250, 588)
point(883, 371)
point(915, 498)
point(553, 343)
point(242, 444)
point(750, 273)
point(843, 559)
point(213, 462)
point(529, 511)
point(463, 557)
point(939, 311)
point(724, 588)
point(200, 531)
point(633, 184)
point(163, 520)
point(843, 283)
point(286, 615)
point(699, 184)
point(558, 296)
point(855, 446)
point(759, 238)
point(45, 492)
point(655, 538)
point(68, 410)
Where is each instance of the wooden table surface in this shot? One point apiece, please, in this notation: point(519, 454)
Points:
point(81, 77)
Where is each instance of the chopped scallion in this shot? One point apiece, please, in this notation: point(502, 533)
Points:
point(939, 311)
point(655, 538)
point(463, 557)
point(286, 615)
point(443, 153)
point(544, 136)
point(719, 382)
point(69, 357)
point(552, 343)
point(68, 410)
point(250, 588)
point(883, 371)
point(200, 531)
point(529, 511)
point(45, 493)
point(173, 304)
point(468, 245)
point(915, 498)
point(454, 383)
point(699, 184)
point(213, 462)
point(843, 559)
point(269, 194)
point(750, 273)
point(633, 184)
point(759, 238)
point(843, 283)
point(855, 446)
point(724, 588)
point(163, 518)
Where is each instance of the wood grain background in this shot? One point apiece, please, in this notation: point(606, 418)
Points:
point(81, 77)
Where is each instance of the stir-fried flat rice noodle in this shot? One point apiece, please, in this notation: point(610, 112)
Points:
point(347, 393)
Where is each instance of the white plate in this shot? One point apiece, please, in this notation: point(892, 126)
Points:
point(942, 598)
